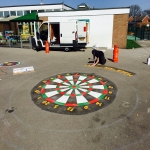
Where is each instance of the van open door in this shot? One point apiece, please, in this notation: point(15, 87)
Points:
point(67, 32)
point(82, 31)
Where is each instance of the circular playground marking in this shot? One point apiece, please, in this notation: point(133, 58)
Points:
point(10, 63)
point(74, 93)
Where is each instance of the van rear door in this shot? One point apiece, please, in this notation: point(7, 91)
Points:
point(82, 31)
point(67, 32)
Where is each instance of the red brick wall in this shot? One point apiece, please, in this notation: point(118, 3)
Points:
point(145, 20)
point(120, 28)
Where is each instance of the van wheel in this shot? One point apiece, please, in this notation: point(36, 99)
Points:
point(39, 47)
point(33, 44)
point(67, 49)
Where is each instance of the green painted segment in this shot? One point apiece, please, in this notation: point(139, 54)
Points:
point(102, 96)
point(83, 104)
point(105, 86)
point(59, 103)
point(78, 94)
point(43, 86)
point(44, 96)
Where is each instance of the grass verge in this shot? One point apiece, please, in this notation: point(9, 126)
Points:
point(132, 44)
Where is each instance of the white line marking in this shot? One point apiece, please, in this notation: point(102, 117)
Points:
point(148, 111)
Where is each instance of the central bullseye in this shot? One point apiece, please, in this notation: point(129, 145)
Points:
point(74, 86)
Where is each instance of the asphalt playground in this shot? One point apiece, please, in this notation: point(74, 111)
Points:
point(123, 124)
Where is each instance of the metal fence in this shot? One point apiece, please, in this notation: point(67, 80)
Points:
point(142, 33)
point(16, 42)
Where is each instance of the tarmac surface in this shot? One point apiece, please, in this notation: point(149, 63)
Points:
point(122, 125)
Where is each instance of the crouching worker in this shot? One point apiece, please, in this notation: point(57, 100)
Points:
point(98, 57)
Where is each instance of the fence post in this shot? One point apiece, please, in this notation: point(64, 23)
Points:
point(21, 41)
point(30, 39)
point(9, 42)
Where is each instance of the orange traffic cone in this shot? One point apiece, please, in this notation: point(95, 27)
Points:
point(46, 47)
point(115, 53)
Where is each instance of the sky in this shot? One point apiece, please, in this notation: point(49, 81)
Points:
point(144, 4)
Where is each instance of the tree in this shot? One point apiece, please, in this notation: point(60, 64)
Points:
point(135, 10)
point(146, 12)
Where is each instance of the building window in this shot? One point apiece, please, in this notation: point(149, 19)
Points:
point(33, 11)
point(26, 12)
point(41, 10)
point(57, 9)
point(1, 13)
point(6, 13)
point(12, 13)
point(48, 10)
point(19, 13)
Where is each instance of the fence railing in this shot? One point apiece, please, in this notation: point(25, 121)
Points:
point(16, 41)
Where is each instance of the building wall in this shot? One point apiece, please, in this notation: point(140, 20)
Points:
point(4, 26)
point(101, 25)
point(145, 20)
point(120, 26)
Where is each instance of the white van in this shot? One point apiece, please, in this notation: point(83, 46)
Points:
point(67, 35)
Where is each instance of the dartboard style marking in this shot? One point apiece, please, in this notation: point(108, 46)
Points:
point(75, 92)
point(10, 63)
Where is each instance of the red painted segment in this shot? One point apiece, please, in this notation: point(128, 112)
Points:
point(90, 89)
point(50, 100)
point(83, 81)
point(42, 91)
point(105, 92)
point(48, 82)
point(94, 101)
point(73, 95)
point(83, 93)
point(62, 93)
point(71, 104)
point(102, 82)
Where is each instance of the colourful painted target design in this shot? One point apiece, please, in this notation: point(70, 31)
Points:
point(10, 63)
point(74, 93)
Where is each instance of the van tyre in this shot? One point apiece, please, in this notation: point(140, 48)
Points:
point(39, 47)
point(33, 44)
point(67, 49)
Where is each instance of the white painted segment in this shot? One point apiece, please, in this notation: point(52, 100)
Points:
point(52, 93)
point(95, 94)
point(80, 79)
point(64, 98)
point(64, 89)
point(83, 83)
point(84, 90)
point(63, 86)
point(84, 87)
point(80, 99)
point(50, 86)
point(57, 80)
point(93, 81)
point(66, 83)
point(70, 78)
point(98, 87)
